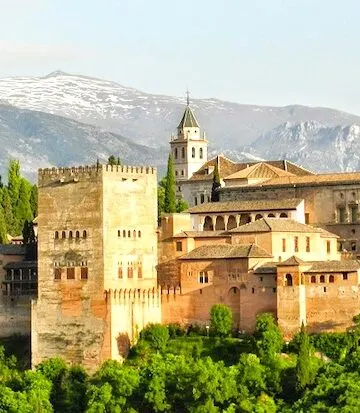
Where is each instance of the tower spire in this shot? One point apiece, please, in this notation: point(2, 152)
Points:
point(187, 97)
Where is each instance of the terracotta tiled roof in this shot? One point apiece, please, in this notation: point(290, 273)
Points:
point(201, 234)
point(20, 264)
point(275, 225)
point(327, 234)
point(292, 261)
point(334, 266)
point(314, 266)
point(228, 167)
point(226, 251)
point(246, 206)
point(311, 180)
point(259, 170)
point(225, 165)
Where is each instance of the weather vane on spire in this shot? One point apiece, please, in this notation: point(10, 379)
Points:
point(187, 97)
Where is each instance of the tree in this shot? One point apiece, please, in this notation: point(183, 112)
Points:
point(34, 200)
point(3, 232)
point(8, 211)
point(157, 335)
point(113, 161)
point(268, 337)
point(22, 208)
point(221, 320)
point(181, 205)
point(14, 181)
point(170, 199)
point(215, 185)
point(303, 365)
point(161, 196)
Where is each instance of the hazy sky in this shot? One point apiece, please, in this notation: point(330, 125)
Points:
point(274, 52)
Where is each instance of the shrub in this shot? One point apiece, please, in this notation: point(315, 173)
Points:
point(157, 335)
point(221, 320)
point(176, 330)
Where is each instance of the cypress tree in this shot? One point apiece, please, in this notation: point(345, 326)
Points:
point(216, 184)
point(14, 182)
point(303, 365)
point(7, 210)
point(170, 199)
point(34, 200)
point(3, 232)
point(23, 209)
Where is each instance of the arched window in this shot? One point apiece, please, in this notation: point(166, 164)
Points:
point(175, 153)
point(56, 234)
point(322, 278)
point(124, 233)
point(201, 153)
point(258, 216)
point(331, 279)
point(183, 152)
point(129, 234)
point(289, 280)
point(63, 235)
point(283, 215)
point(220, 224)
point(70, 234)
point(313, 279)
point(77, 234)
point(119, 233)
point(139, 234)
point(193, 152)
point(208, 224)
point(271, 215)
point(134, 234)
point(84, 234)
point(245, 219)
point(231, 222)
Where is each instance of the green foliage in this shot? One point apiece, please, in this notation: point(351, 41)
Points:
point(221, 320)
point(161, 196)
point(268, 337)
point(170, 199)
point(303, 365)
point(176, 330)
point(112, 160)
point(3, 230)
point(34, 200)
point(215, 185)
point(157, 335)
point(181, 205)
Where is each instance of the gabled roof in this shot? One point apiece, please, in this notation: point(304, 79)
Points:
point(225, 167)
point(292, 261)
point(201, 234)
point(222, 251)
point(228, 167)
point(188, 120)
point(259, 170)
point(246, 206)
point(334, 266)
point(275, 225)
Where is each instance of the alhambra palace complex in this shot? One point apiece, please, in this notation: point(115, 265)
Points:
point(281, 239)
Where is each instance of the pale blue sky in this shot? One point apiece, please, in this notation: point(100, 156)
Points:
point(273, 52)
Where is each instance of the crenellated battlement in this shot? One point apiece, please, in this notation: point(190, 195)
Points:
point(133, 295)
point(89, 172)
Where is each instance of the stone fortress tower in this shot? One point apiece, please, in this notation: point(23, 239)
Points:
point(188, 148)
point(96, 261)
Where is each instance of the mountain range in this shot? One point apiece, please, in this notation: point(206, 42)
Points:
point(65, 119)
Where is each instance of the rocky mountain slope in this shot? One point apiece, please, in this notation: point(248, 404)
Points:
point(150, 119)
point(40, 139)
point(312, 144)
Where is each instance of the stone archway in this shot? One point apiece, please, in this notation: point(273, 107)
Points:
point(245, 219)
point(208, 224)
point(258, 216)
point(220, 223)
point(231, 222)
point(233, 301)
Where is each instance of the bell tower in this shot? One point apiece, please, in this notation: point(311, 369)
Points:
point(188, 147)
